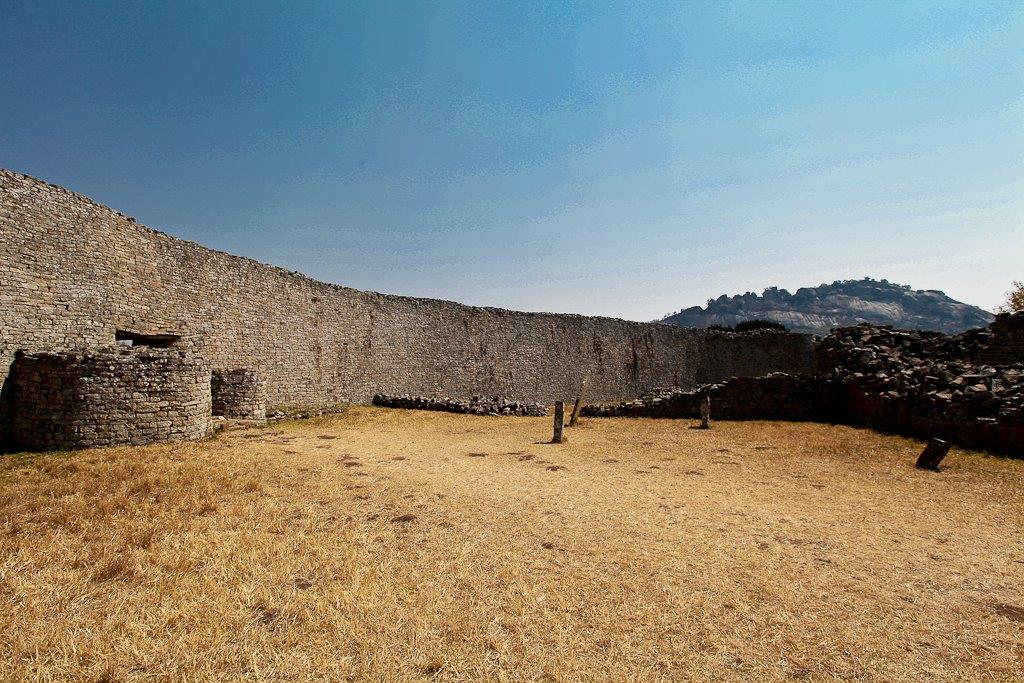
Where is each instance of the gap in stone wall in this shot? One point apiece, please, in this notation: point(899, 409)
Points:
point(155, 341)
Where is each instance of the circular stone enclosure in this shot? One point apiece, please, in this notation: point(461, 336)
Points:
point(107, 396)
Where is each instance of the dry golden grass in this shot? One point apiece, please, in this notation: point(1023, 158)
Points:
point(394, 545)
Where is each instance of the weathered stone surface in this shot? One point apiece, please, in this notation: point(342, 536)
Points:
point(924, 384)
point(74, 273)
point(477, 405)
point(103, 397)
point(239, 394)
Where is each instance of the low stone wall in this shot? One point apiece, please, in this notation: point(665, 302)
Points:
point(922, 384)
point(927, 385)
point(777, 396)
point(102, 397)
point(478, 405)
point(971, 422)
point(773, 397)
point(239, 394)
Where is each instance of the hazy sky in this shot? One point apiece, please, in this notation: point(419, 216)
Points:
point(594, 158)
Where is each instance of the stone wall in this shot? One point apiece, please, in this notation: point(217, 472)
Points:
point(968, 423)
point(102, 397)
point(1007, 343)
point(239, 394)
point(923, 384)
point(74, 273)
point(777, 396)
point(930, 384)
point(476, 405)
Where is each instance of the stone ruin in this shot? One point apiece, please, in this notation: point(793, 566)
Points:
point(776, 396)
point(239, 394)
point(477, 405)
point(108, 396)
point(966, 388)
point(114, 333)
point(77, 277)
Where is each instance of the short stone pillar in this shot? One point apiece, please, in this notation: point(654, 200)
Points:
point(558, 437)
point(239, 394)
point(932, 455)
point(580, 398)
point(705, 413)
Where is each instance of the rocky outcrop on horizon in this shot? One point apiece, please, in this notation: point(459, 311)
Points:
point(818, 310)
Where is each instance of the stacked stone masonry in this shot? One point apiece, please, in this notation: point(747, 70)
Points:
point(777, 396)
point(74, 274)
point(477, 405)
point(103, 397)
point(239, 394)
point(931, 385)
point(921, 384)
point(1007, 341)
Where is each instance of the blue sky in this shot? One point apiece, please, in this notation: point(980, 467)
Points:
point(600, 158)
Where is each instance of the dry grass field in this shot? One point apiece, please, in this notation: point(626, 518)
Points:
point(399, 545)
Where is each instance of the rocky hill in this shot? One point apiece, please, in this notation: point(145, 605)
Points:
point(844, 302)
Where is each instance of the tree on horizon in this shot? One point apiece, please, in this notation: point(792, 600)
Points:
point(1014, 299)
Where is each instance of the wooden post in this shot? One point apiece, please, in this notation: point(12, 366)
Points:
point(705, 413)
point(559, 418)
point(932, 455)
point(579, 403)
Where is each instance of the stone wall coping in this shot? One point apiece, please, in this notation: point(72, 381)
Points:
point(112, 353)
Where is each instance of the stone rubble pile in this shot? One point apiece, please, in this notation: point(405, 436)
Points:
point(478, 405)
point(845, 343)
point(925, 378)
point(278, 414)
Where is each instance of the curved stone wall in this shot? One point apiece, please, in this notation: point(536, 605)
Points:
point(78, 274)
point(102, 397)
point(239, 394)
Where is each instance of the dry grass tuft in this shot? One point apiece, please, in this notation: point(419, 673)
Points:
point(368, 545)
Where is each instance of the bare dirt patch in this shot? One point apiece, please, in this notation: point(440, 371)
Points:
point(643, 559)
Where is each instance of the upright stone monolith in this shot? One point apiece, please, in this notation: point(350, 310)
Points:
point(579, 403)
point(705, 413)
point(559, 419)
point(932, 455)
